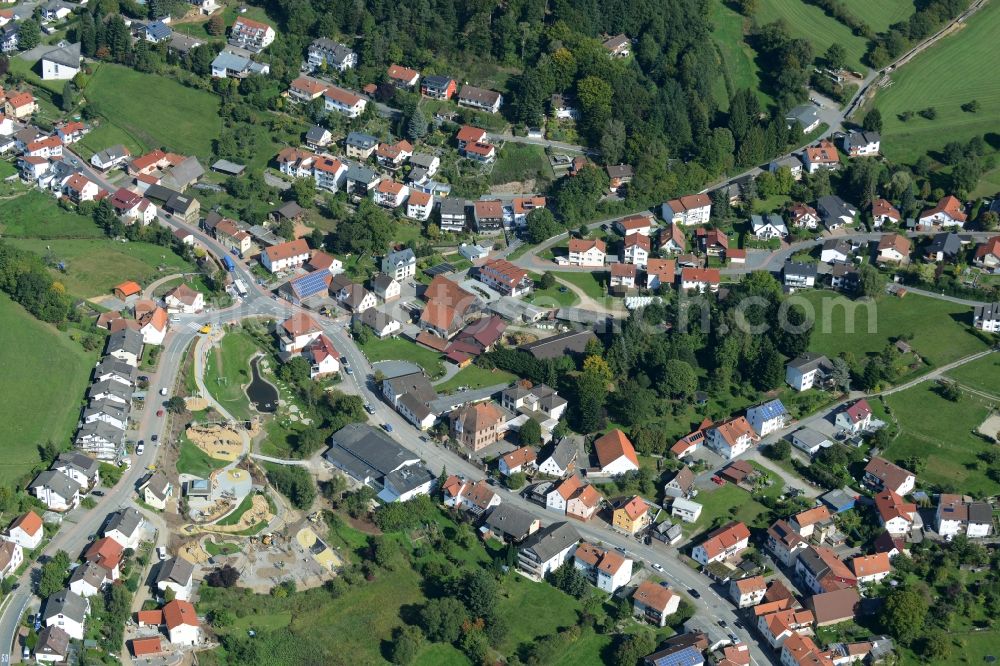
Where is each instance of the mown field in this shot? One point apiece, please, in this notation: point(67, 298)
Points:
point(737, 56)
point(146, 111)
point(94, 266)
point(982, 374)
point(880, 15)
point(227, 371)
point(956, 70)
point(810, 23)
point(35, 214)
point(45, 374)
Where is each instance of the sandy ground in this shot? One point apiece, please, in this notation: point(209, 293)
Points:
point(259, 512)
point(990, 427)
point(218, 442)
point(326, 557)
point(195, 403)
point(193, 552)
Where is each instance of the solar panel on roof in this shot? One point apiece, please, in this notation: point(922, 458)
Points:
point(310, 284)
point(439, 269)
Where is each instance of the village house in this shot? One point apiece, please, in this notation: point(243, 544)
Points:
point(584, 503)
point(784, 542)
point(182, 623)
point(884, 212)
point(343, 102)
point(232, 237)
point(660, 273)
point(20, 105)
point(560, 493)
point(26, 531)
point(856, 418)
point(767, 418)
point(632, 515)
point(834, 607)
point(448, 307)
point(881, 474)
point(360, 146)
point(83, 469)
point(419, 205)
point(799, 274)
point(480, 98)
point(325, 52)
point(390, 194)
point(821, 570)
point(894, 249)
point(251, 35)
point(747, 591)
point(615, 454)
point(948, 212)
point(814, 524)
point(510, 523)
point(635, 249)
point(896, 515)
point(823, 155)
point(806, 371)
point(410, 394)
point(546, 550)
point(700, 279)
point(230, 65)
point(125, 527)
point(943, 247)
point(802, 216)
point(767, 226)
point(987, 317)
point(521, 207)
point(437, 86)
point(518, 461)
point(606, 569)
point(107, 554)
point(685, 509)
point(619, 175)
point(402, 77)
point(88, 579)
point(488, 216)
point(654, 602)
point(453, 214)
point(960, 515)
point(475, 498)
point(478, 425)
point(11, 557)
point(67, 611)
point(730, 438)
point(672, 240)
point(618, 46)
point(723, 543)
point(562, 459)
point(681, 484)
point(805, 116)
point(633, 224)
point(56, 490)
point(157, 490)
point(810, 441)
point(285, 256)
point(184, 299)
point(110, 158)
point(587, 252)
point(871, 568)
point(505, 278)
point(791, 162)
point(393, 156)
point(835, 212)
point(862, 144)
point(691, 210)
point(987, 255)
point(177, 575)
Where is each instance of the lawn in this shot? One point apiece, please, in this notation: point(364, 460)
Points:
point(929, 320)
point(880, 15)
point(193, 460)
point(475, 377)
point(738, 59)
point(982, 374)
point(227, 372)
point(45, 376)
point(949, 445)
point(221, 548)
point(729, 501)
point(234, 517)
point(519, 162)
point(555, 296)
point(809, 22)
point(592, 283)
point(7, 169)
point(972, 52)
point(440, 654)
point(93, 267)
point(166, 114)
point(399, 349)
point(37, 215)
point(534, 610)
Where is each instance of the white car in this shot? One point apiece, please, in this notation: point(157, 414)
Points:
point(658, 567)
point(161, 552)
point(139, 449)
point(163, 391)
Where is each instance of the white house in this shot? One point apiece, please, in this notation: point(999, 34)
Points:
point(285, 256)
point(390, 194)
point(690, 210)
point(949, 212)
point(767, 418)
point(56, 490)
point(27, 531)
point(587, 252)
point(685, 509)
point(881, 474)
point(896, 515)
point(606, 569)
point(635, 249)
point(61, 63)
point(184, 299)
point(419, 205)
point(182, 622)
point(84, 470)
point(562, 458)
point(747, 591)
point(723, 543)
point(323, 358)
point(810, 441)
point(987, 317)
point(730, 438)
point(176, 574)
point(126, 528)
point(700, 279)
point(68, 611)
point(11, 556)
point(768, 226)
point(615, 454)
point(855, 418)
point(871, 568)
point(862, 144)
point(401, 264)
point(960, 515)
point(559, 495)
point(109, 158)
point(251, 35)
point(87, 579)
point(655, 603)
point(157, 490)
point(546, 550)
point(344, 102)
point(518, 460)
point(807, 370)
point(296, 332)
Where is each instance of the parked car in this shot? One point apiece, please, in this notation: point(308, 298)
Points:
point(97, 493)
point(139, 449)
point(694, 593)
point(161, 552)
point(155, 439)
point(369, 408)
point(657, 566)
point(163, 391)
point(159, 412)
point(387, 427)
point(719, 481)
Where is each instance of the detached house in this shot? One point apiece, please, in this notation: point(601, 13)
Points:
point(681, 484)
point(987, 255)
point(360, 146)
point(587, 252)
point(606, 569)
point(26, 531)
point(157, 490)
point(835, 212)
point(285, 256)
point(436, 86)
point(546, 550)
point(20, 105)
point(177, 575)
point(884, 212)
point(949, 212)
point(251, 35)
point(821, 570)
point(125, 528)
point(488, 216)
point(56, 490)
point(631, 516)
point(807, 371)
point(615, 454)
point(768, 226)
point(78, 188)
point(856, 418)
point(633, 224)
point(619, 175)
point(132, 207)
point(672, 240)
point(402, 77)
point(895, 514)
point(480, 98)
point(784, 542)
point(767, 418)
point(182, 623)
point(505, 278)
point(730, 438)
point(110, 158)
point(871, 568)
point(700, 279)
point(881, 474)
point(478, 425)
point(726, 542)
point(343, 101)
point(67, 611)
point(802, 216)
point(690, 210)
point(326, 52)
point(862, 144)
point(747, 591)
point(635, 249)
point(823, 155)
point(390, 194)
point(562, 459)
point(654, 602)
point(660, 273)
point(894, 248)
point(518, 461)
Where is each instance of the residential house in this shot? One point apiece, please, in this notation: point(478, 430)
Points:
point(390, 194)
point(480, 99)
point(393, 155)
point(948, 212)
point(791, 162)
point(768, 417)
point(419, 205)
point(153, 326)
point(324, 359)
point(285, 256)
point(562, 459)
point(571, 343)
point(518, 461)
point(360, 181)
point(231, 65)
point(943, 247)
point(410, 394)
point(961, 515)
point(61, 63)
point(325, 52)
point(730, 438)
point(807, 370)
point(623, 275)
point(157, 31)
point(132, 207)
point(156, 490)
point(329, 173)
point(82, 469)
point(802, 216)
point(845, 277)
point(468, 135)
point(895, 514)
point(11, 557)
point(78, 188)
point(685, 509)
point(453, 214)
point(798, 274)
point(681, 484)
point(251, 35)
point(660, 273)
point(181, 621)
point(184, 299)
point(635, 249)
point(631, 516)
point(821, 570)
point(606, 569)
point(884, 212)
point(110, 158)
point(510, 523)
point(295, 162)
point(478, 425)
point(810, 441)
point(723, 543)
point(894, 249)
point(448, 307)
point(476, 498)
point(987, 255)
point(546, 550)
point(561, 492)
point(382, 324)
point(360, 146)
point(987, 317)
point(619, 46)
point(672, 240)
point(634, 224)
point(835, 212)
point(521, 207)
point(100, 439)
point(402, 77)
point(619, 175)
point(233, 238)
point(856, 418)
point(70, 132)
point(46, 146)
point(584, 503)
point(9, 37)
point(871, 568)
point(88, 579)
point(654, 602)
point(67, 611)
point(767, 226)
point(693, 209)
point(505, 278)
point(815, 523)
point(779, 626)
point(615, 454)
point(26, 531)
point(343, 102)
point(823, 155)
point(56, 490)
point(563, 107)
point(862, 144)
point(488, 216)
point(589, 252)
point(747, 591)
point(700, 279)
point(176, 574)
point(20, 105)
point(784, 542)
point(107, 554)
point(436, 86)
point(126, 528)
point(805, 116)
point(318, 137)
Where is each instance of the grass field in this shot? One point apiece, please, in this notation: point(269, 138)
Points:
point(234, 517)
point(880, 15)
point(228, 371)
point(37, 215)
point(45, 376)
point(982, 374)
point(592, 284)
point(941, 432)
point(520, 162)
point(93, 267)
point(193, 460)
point(398, 349)
point(720, 503)
point(553, 297)
point(475, 377)
point(929, 320)
point(221, 548)
point(738, 58)
point(535, 610)
point(970, 52)
point(166, 114)
point(441, 654)
point(810, 23)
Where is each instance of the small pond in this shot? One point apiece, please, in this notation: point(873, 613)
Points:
point(263, 396)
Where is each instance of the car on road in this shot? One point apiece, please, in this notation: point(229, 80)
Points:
point(734, 638)
point(155, 439)
point(161, 552)
point(348, 370)
point(140, 448)
point(658, 566)
point(159, 412)
point(369, 408)
point(738, 624)
point(163, 391)
point(175, 319)
point(97, 493)
point(387, 427)
point(694, 593)
point(722, 623)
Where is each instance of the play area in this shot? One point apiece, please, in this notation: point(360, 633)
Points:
point(222, 442)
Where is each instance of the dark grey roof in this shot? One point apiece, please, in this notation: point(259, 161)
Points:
point(361, 140)
point(454, 207)
point(369, 447)
point(860, 139)
point(980, 513)
point(805, 115)
point(414, 405)
point(160, 193)
point(333, 50)
point(126, 521)
point(987, 312)
point(316, 134)
point(83, 464)
point(115, 152)
point(547, 542)
point(375, 319)
point(404, 256)
point(479, 95)
point(159, 30)
point(800, 269)
point(125, 340)
point(175, 570)
point(225, 166)
point(158, 485)
point(422, 159)
point(437, 81)
point(91, 573)
point(289, 209)
point(115, 410)
point(832, 206)
point(947, 243)
point(564, 452)
point(182, 204)
point(361, 174)
point(382, 282)
point(58, 482)
point(559, 345)
point(837, 244)
point(508, 519)
point(810, 437)
point(102, 430)
point(414, 382)
point(408, 478)
point(68, 56)
point(183, 43)
point(52, 641)
point(809, 361)
point(67, 603)
point(111, 387)
point(112, 365)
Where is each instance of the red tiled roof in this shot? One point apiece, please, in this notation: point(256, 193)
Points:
point(29, 522)
point(150, 617)
point(419, 198)
point(401, 73)
point(105, 552)
point(634, 508)
point(490, 208)
point(470, 134)
point(823, 153)
point(949, 205)
point(584, 244)
point(300, 324)
point(287, 250)
point(871, 565)
point(707, 275)
point(613, 446)
point(250, 23)
point(520, 456)
point(345, 97)
point(129, 288)
point(990, 247)
point(179, 612)
point(653, 595)
point(725, 537)
point(142, 647)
